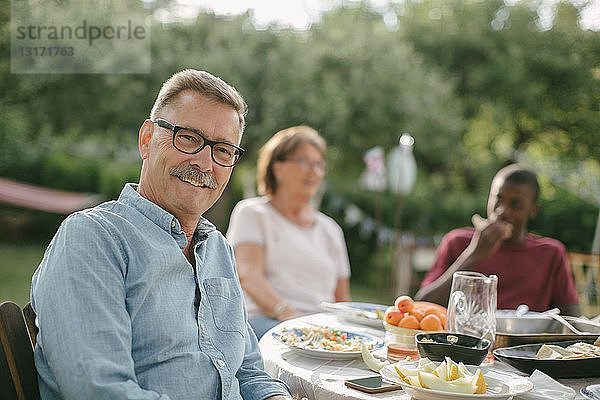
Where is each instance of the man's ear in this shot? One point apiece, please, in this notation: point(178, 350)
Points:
point(145, 137)
point(534, 210)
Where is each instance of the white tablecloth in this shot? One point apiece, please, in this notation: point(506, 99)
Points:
point(317, 379)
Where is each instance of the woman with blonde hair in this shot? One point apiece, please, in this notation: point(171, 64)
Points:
point(290, 256)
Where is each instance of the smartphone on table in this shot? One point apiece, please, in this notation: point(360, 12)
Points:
point(372, 384)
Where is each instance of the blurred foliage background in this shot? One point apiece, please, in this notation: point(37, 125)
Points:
point(478, 84)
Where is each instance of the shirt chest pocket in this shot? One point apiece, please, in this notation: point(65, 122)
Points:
point(225, 298)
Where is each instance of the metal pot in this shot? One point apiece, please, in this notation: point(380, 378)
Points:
point(507, 321)
point(535, 329)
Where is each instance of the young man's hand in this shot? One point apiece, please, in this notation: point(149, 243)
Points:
point(489, 235)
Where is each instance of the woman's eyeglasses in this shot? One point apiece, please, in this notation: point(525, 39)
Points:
point(307, 165)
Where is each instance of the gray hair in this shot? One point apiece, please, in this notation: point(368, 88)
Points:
point(205, 84)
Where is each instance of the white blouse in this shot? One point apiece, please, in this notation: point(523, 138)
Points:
point(303, 264)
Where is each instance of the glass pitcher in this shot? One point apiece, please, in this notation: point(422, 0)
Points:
point(472, 305)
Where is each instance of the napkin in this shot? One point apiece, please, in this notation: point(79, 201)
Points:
point(544, 388)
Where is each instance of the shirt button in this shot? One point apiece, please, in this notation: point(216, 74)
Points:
point(172, 224)
point(221, 363)
point(203, 327)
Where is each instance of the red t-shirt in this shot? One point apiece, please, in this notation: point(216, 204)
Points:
point(536, 272)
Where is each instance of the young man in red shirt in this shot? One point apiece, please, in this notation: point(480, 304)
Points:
point(531, 269)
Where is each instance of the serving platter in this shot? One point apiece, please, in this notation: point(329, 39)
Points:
point(312, 349)
point(560, 333)
point(510, 340)
point(522, 357)
point(369, 314)
point(500, 385)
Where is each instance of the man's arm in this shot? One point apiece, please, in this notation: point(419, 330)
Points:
point(571, 309)
point(84, 342)
point(565, 294)
point(438, 291)
point(488, 237)
point(254, 382)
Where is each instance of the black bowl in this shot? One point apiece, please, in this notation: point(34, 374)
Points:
point(467, 349)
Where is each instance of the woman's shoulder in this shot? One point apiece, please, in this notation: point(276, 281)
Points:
point(253, 207)
point(252, 203)
point(327, 221)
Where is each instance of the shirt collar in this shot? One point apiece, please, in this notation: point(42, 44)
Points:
point(167, 221)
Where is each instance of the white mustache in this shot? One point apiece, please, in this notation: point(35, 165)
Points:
point(195, 177)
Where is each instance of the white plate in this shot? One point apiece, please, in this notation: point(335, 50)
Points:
point(376, 342)
point(501, 385)
point(591, 392)
point(354, 311)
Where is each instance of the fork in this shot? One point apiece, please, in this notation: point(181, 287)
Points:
point(312, 339)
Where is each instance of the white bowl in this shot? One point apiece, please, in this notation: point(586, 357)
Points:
point(401, 337)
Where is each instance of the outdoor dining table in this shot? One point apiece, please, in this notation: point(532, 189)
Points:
point(322, 379)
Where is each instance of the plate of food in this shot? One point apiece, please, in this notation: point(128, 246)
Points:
point(370, 314)
point(325, 342)
point(591, 392)
point(453, 381)
point(564, 359)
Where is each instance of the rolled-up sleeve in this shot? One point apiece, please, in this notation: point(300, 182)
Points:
point(255, 383)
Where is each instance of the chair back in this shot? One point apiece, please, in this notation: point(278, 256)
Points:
point(586, 272)
point(32, 328)
point(18, 376)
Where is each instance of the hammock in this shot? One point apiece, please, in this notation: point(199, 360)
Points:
point(40, 198)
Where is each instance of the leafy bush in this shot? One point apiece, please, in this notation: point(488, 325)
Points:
point(64, 171)
point(113, 175)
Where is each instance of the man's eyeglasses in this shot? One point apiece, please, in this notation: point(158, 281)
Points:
point(306, 165)
point(190, 141)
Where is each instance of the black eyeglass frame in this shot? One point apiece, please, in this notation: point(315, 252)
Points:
point(163, 123)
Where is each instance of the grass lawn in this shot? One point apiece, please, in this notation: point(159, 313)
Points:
point(361, 292)
point(18, 262)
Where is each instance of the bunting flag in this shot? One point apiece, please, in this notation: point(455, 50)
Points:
point(373, 178)
point(356, 217)
point(399, 178)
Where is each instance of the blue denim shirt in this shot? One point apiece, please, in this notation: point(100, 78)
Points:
point(122, 315)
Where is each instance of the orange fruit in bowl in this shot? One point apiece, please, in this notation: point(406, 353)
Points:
point(392, 316)
point(417, 313)
point(444, 320)
point(431, 310)
point(404, 303)
point(431, 322)
point(423, 305)
point(409, 322)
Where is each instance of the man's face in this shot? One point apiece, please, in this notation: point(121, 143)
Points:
point(162, 180)
point(512, 202)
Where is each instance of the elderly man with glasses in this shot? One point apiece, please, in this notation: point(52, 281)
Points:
point(139, 298)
